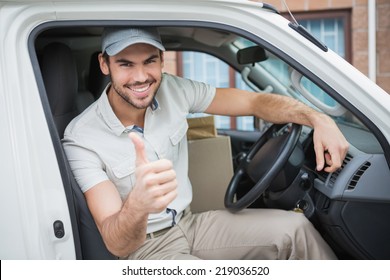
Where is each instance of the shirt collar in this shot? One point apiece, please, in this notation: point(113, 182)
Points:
point(154, 104)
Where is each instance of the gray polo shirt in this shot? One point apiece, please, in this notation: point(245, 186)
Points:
point(98, 148)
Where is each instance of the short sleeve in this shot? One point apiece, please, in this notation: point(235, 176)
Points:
point(202, 96)
point(195, 96)
point(86, 165)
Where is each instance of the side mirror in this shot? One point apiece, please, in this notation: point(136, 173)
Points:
point(251, 55)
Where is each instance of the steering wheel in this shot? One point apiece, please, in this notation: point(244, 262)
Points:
point(263, 163)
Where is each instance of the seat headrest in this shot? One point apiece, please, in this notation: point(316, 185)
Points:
point(59, 73)
point(97, 81)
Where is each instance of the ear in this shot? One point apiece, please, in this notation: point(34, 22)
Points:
point(103, 64)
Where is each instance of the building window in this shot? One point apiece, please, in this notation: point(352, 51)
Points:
point(330, 31)
point(205, 68)
point(332, 28)
point(211, 70)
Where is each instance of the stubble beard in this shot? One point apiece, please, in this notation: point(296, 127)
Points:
point(132, 101)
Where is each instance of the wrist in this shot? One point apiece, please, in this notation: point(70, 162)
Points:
point(318, 119)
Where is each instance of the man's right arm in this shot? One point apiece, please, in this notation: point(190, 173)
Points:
point(123, 224)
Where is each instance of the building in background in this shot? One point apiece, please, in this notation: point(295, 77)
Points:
point(366, 27)
point(358, 30)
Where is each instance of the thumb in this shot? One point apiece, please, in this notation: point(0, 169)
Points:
point(140, 154)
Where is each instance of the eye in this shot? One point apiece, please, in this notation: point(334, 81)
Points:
point(125, 64)
point(150, 61)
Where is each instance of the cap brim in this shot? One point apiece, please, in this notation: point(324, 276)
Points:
point(116, 48)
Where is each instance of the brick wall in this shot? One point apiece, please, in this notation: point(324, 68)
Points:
point(383, 44)
point(359, 32)
point(170, 65)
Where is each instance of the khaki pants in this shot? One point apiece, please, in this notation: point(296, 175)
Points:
point(249, 234)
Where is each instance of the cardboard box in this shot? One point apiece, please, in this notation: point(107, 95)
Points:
point(201, 127)
point(210, 171)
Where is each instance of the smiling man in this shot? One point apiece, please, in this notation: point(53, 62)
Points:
point(138, 189)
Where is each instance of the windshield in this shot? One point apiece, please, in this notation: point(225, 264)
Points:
point(285, 80)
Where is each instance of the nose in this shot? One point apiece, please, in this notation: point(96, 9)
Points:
point(140, 74)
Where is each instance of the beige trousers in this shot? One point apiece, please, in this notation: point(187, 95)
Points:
point(248, 234)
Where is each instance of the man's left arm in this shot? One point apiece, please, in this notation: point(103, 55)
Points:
point(329, 143)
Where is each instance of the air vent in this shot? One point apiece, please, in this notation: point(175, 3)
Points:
point(334, 175)
point(358, 174)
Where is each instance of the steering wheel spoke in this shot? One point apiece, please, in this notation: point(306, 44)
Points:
point(262, 164)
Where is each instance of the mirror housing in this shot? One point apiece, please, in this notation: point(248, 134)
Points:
point(251, 55)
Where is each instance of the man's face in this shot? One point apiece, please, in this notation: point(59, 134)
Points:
point(135, 73)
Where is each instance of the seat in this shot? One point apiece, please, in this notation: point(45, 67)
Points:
point(94, 84)
point(59, 72)
point(97, 81)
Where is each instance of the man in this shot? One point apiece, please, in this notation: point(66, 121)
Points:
point(138, 190)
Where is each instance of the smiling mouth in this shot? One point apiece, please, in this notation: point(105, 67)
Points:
point(140, 90)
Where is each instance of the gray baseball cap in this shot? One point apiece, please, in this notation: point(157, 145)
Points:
point(116, 39)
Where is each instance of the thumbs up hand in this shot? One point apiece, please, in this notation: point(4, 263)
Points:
point(156, 184)
point(139, 149)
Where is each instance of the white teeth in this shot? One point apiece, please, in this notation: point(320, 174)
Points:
point(140, 89)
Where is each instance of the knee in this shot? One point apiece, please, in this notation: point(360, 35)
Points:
point(297, 223)
point(305, 241)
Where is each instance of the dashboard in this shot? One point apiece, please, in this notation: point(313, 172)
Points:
point(350, 207)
